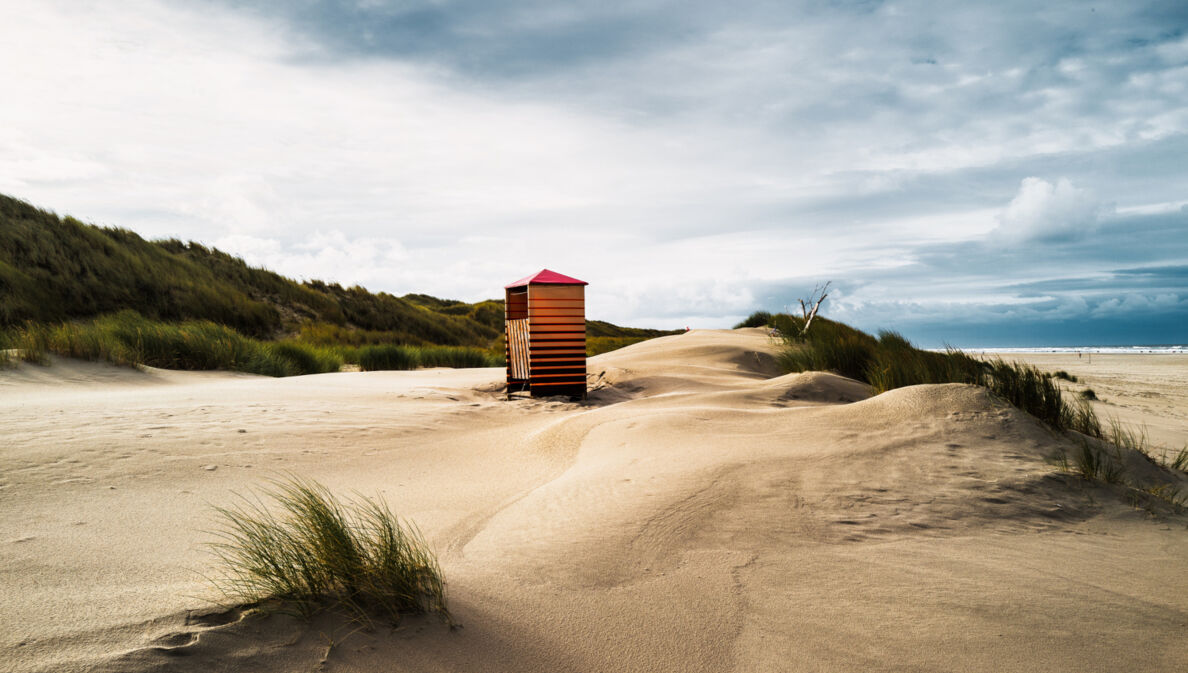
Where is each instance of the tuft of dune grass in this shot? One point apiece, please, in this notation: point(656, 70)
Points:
point(387, 357)
point(297, 543)
point(1178, 460)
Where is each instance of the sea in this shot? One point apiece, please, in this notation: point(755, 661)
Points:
point(1162, 349)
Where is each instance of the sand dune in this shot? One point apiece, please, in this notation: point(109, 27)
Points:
point(698, 513)
point(1145, 390)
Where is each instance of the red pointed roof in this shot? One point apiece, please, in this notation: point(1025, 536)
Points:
point(546, 277)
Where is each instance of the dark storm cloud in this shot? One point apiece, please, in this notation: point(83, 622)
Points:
point(1153, 279)
point(1138, 239)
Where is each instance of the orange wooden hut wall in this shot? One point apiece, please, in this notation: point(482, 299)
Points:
point(545, 318)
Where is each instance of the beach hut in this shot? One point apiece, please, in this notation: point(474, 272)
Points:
point(545, 319)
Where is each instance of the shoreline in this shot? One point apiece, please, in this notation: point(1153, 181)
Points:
point(1095, 350)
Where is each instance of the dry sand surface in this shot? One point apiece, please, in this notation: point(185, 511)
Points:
point(698, 513)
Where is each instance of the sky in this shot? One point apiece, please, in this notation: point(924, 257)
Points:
point(976, 174)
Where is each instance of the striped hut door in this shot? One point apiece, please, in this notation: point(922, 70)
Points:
point(517, 341)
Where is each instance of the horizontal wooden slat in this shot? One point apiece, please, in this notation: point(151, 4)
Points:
point(578, 374)
point(556, 291)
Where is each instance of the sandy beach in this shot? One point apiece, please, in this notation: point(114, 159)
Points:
point(1140, 389)
point(700, 512)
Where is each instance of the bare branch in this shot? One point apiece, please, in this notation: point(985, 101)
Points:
point(820, 292)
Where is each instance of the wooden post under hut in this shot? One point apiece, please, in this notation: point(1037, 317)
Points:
point(545, 319)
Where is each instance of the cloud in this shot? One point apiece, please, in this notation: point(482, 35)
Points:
point(1131, 304)
point(328, 256)
point(693, 161)
point(1043, 211)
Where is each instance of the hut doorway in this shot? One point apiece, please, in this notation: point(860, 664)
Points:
point(518, 340)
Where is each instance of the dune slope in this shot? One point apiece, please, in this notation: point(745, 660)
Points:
point(698, 513)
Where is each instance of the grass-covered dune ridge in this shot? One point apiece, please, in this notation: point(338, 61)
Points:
point(127, 338)
point(54, 269)
point(890, 361)
point(57, 269)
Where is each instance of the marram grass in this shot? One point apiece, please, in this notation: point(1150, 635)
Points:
point(395, 356)
point(891, 361)
point(127, 338)
point(297, 543)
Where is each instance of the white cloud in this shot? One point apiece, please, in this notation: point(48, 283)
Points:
point(1045, 211)
point(329, 256)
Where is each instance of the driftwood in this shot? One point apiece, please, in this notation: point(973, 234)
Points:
point(820, 292)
